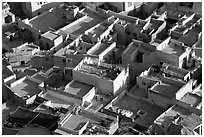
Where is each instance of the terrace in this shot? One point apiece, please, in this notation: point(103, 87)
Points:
point(50, 19)
point(165, 89)
point(86, 23)
point(153, 25)
point(99, 49)
point(78, 89)
point(6, 72)
point(58, 102)
point(192, 99)
point(27, 88)
point(110, 72)
point(80, 117)
point(134, 105)
point(177, 112)
point(173, 49)
point(77, 121)
point(191, 37)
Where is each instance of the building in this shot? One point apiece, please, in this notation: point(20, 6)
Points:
point(51, 20)
point(151, 29)
point(7, 72)
point(102, 50)
point(186, 23)
point(143, 10)
point(139, 56)
point(25, 89)
point(7, 16)
point(78, 120)
point(193, 100)
point(174, 52)
point(84, 20)
point(178, 120)
point(72, 53)
point(133, 110)
point(22, 54)
point(108, 79)
point(114, 6)
point(50, 40)
point(23, 120)
point(33, 130)
point(163, 88)
point(82, 93)
point(32, 9)
point(42, 60)
point(102, 30)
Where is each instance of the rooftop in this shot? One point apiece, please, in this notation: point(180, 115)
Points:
point(181, 116)
point(25, 48)
point(166, 89)
point(50, 19)
point(33, 130)
point(57, 101)
point(6, 72)
point(77, 88)
point(190, 38)
point(154, 24)
point(75, 122)
point(50, 35)
point(109, 72)
point(173, 48)
point(191, 99)
point(177, 70)
point(98, 49)
point(134, 105)
point(39, 77)
point(86, 23)
point(26, 87)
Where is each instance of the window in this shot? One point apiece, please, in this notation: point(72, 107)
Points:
point(47, 59)
point(140, 57)
point(64, 60)
point(143, 83)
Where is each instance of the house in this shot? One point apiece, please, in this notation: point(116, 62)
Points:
point(78, 120)
point(107, 78)
point(178, 120)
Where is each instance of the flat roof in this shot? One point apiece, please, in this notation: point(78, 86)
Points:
point(191, 99)
point(99, 71)
point(50, 35)
point(80, 27)
point(78, 89)
point(177, 70)
point(172, 48)
point(190, 38)
point(185, 116)
point(154, 24)
point(39, 77)
point(134, 105)
point(58, 101)
point(100, 49)
point(53, 19)
point(33, 130)
point(26, 87)
point(75, 121)
point(26, 47)
point(6, 72)
point(166, 89)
